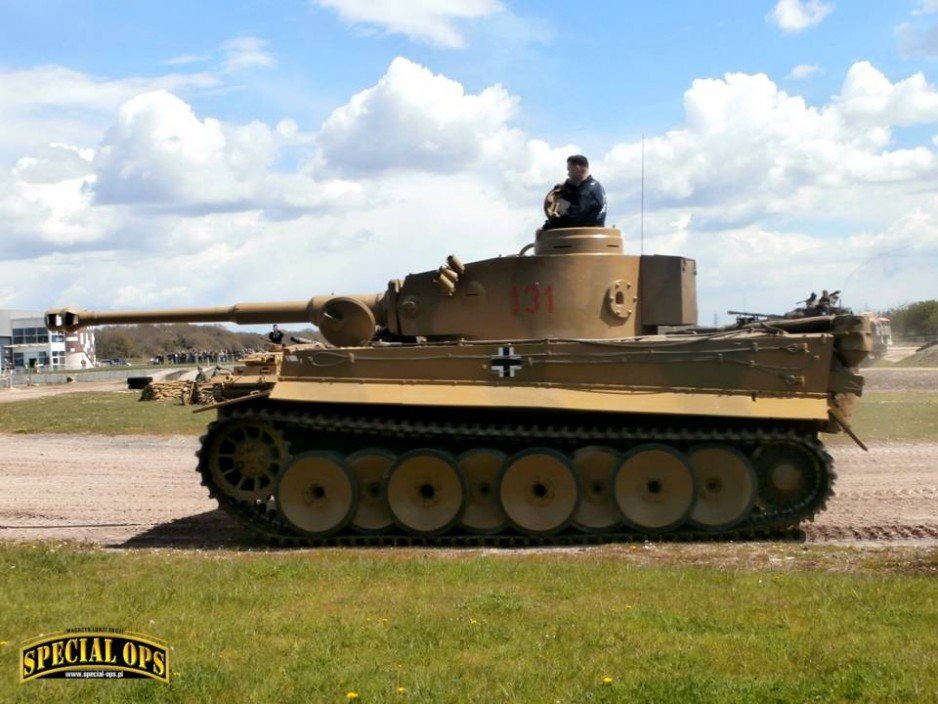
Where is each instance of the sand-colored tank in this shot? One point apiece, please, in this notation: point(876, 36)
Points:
point(560, 394)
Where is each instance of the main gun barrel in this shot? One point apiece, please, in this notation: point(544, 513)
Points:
point(343, 320)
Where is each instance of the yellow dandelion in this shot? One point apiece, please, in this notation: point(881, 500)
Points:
point(473, 622)
point(351, 696)
point(607, 680)
point(401, 690)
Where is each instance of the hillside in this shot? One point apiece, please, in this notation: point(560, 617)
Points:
point(150, 340)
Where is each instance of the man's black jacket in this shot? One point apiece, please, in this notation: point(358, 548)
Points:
point(587, 205)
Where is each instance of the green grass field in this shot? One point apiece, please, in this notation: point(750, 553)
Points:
point(101, 412)
point(895, 415)
point(311, 626)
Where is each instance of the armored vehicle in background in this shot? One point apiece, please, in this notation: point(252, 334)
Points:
point(528, 398)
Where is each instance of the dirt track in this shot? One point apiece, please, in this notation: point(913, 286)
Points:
point(143, 491)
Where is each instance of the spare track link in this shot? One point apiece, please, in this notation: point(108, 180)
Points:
point(263, 521)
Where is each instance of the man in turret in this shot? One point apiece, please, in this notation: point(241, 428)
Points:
point(580, 201)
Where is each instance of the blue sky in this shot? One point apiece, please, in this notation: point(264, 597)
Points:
point(629, 61)
point(139, 136)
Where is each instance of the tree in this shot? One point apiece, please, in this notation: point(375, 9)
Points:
point(116, 343)
point(915, 319)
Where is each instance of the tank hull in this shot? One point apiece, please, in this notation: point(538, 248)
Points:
point(680, 436)
point(747, 375)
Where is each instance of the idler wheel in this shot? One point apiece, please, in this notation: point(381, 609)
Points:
point(483, 514)
point(654, 488)
point(245, 457)
point(426, 491)
point(726, 486)
point(316, 493)
point(370, 467)
point(789, 476)
point(597, 511)
point(539, 491)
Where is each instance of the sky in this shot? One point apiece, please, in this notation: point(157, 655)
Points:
point(189, 154)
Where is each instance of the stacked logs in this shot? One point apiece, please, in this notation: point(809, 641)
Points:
point(185, 392)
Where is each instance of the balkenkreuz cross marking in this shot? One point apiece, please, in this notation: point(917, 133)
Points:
point(506, 362)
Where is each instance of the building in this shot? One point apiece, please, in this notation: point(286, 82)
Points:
point(26, 343)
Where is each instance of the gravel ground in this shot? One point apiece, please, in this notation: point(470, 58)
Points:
point(143, 491)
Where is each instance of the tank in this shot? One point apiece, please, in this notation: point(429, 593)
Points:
point(563, 394)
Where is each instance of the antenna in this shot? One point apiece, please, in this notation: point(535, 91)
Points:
point(642, 227)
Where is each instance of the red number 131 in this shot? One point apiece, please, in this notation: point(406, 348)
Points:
point(529, 299)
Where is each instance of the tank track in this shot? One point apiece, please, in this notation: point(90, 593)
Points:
point(262, 519)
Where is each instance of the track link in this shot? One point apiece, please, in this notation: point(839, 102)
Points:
point(262, 519)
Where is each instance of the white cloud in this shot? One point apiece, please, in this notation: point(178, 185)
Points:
point(798, 15)
point(926, 7)
point(47, 87)
point(802, 71)
point(159, 153)
point(433, 21)
point(414, 119)
point(45, 204)
point(749, 150)
point(187, 59)
point(245, 53)
point(48, 104)
point(868, 98)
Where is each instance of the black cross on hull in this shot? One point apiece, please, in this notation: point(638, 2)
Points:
point(506, 363)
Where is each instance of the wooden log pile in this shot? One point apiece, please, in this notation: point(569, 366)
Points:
point(203, 394)
point(184, 392)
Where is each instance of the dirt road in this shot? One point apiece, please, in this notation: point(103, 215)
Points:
point(144, 491)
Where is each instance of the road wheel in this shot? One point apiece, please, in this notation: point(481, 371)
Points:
point(483, 514)
point(597, 511)
point(316, 493)
point(654, 488)
point(726, 486)
point(539, 491)
point(426, 491)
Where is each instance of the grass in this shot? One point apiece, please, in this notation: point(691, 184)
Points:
point(922, 359)
point(109, 413)
point(896, 415)
point(310, 626)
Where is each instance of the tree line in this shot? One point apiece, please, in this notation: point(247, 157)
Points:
point(918, 319)
point(136, 341)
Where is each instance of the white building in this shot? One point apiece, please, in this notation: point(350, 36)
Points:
point(26, 343)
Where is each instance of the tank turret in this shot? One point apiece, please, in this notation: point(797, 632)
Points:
point(559, 394)
point(577, 284)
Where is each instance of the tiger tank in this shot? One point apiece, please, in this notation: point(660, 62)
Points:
point(563, 394)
